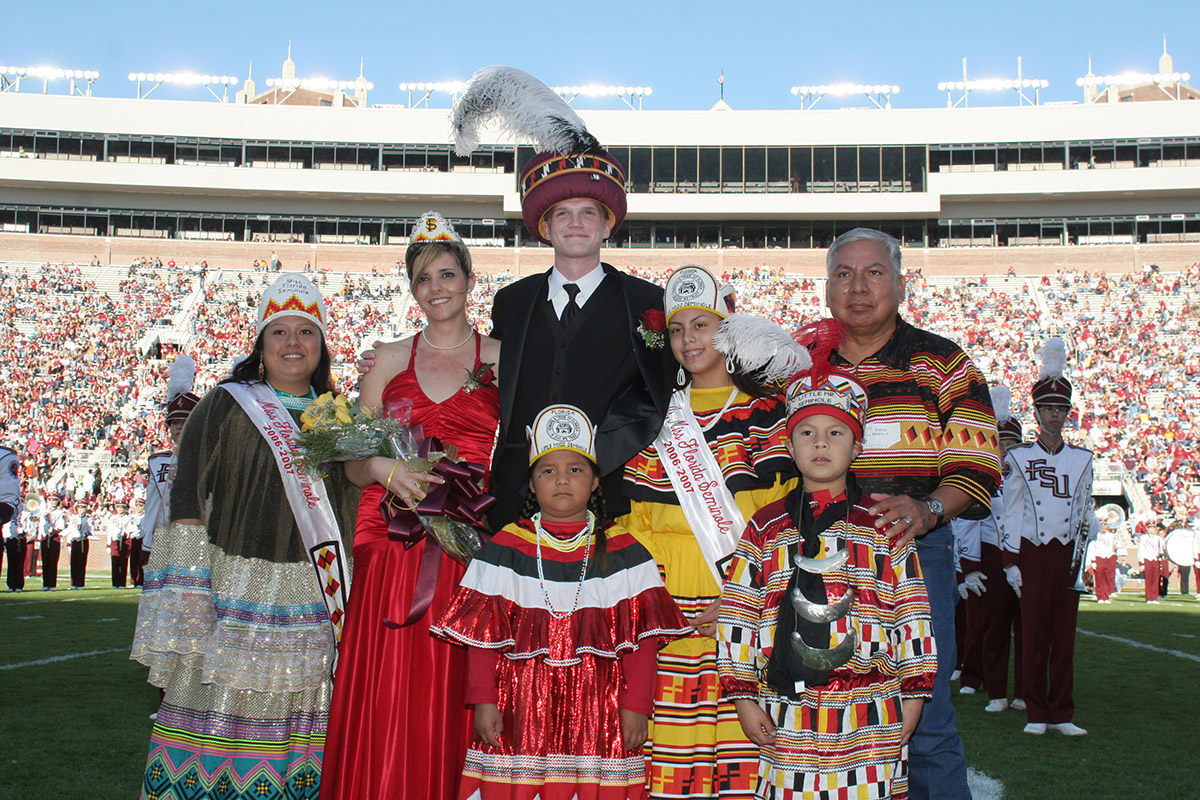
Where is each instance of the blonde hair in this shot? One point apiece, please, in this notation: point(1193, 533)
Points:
point(420, 255)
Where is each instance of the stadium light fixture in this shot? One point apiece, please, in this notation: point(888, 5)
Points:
point(1164, 81)
point(629, 94)
point(291, 85)
point(11, 77)
point(1021, 85)
point(878, 93)
point(182, 79)
point(426, 89)
point(315, 84)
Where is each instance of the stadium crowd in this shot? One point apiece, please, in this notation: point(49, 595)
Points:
point(84, 377)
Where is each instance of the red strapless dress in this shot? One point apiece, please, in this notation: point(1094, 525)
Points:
point(399, 726)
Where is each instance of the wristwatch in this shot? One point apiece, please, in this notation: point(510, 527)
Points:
point(937, 509)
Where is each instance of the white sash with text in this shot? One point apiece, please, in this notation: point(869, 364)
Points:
point(707, 503)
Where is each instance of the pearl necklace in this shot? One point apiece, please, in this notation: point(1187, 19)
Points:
point(572, 544)
point(451, 347)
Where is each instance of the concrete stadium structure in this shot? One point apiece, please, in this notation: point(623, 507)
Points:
point(1092, 186)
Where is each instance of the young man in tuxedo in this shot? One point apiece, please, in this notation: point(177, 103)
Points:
point(569, 335)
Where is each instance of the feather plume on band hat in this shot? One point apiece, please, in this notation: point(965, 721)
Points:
point(1007, 425)
point(571, 163)
point(180, 378)
point(1051, 387)
point(527, 107)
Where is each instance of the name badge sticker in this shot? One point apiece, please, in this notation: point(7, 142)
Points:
point(881, 435)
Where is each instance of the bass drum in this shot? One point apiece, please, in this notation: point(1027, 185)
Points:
point(1181, 545)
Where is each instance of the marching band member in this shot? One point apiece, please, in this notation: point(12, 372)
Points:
point(1047, 498)
point(1001, 606)
point(968, 536)
point(76, 536)
point(54, 522)
point(118, 544)
point(10, 517)
point(1151, 549)
point(30, 526)
point(160, 468)
point(1104, 563)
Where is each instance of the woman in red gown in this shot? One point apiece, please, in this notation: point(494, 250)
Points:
point(399, 726)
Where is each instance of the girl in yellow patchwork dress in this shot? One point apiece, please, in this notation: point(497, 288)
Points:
point(720, 456)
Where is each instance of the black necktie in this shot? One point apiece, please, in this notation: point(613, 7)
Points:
point(572, 308)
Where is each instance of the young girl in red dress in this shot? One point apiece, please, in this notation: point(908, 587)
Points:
point(563, 622)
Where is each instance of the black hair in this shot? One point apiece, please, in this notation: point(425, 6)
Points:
point(247, 370)
point(595, 505)
point(743, 380)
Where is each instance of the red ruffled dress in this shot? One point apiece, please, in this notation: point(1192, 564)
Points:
point(560, 657)
point(399, 725)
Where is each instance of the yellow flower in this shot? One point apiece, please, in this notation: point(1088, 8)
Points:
point(341, 401)
point(343, 416)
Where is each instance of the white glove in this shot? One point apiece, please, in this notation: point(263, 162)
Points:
point(1012, 573)
point(962, 591)
point(974, 582)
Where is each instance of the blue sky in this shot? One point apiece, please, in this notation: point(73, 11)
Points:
point(678, 47)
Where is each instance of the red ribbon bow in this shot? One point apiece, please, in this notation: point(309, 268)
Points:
point(460, 498)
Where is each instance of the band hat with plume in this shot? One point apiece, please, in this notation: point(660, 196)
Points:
point(292, 294)
point(561, 427)
point(693, 286)
point(180, 378)
point(1051, 387)
point(433, 227)
point(571, 163)
point(821, 389)
point(1008, 426)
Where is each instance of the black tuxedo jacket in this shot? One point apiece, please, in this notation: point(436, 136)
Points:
point(635, 412)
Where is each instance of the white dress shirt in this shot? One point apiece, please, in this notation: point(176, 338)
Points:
point(588, 284)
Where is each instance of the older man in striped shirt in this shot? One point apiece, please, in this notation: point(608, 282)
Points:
point(930, 454)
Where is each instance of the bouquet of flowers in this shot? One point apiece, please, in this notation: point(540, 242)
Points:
point(333, 429)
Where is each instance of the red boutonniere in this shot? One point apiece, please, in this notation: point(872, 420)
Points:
point(482, 375)
point(653, 328)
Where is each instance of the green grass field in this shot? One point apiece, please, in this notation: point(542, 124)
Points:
point(78, 727)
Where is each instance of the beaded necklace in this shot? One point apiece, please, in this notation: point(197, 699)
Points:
point(294, 402)
point(571, 544)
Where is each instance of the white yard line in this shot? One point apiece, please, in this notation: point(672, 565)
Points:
point(66, 599)
point(984, 787)
point(1143, 645)
point(54, 659)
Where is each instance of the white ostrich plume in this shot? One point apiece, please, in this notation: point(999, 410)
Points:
point(1002, 403)
point(526, 107)
point(1054, 358)
point(762, 348)
point(181, 376)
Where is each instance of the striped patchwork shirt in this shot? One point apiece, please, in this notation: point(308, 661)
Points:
point(929, 419)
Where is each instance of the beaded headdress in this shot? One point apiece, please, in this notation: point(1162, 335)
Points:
point(292, 294)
